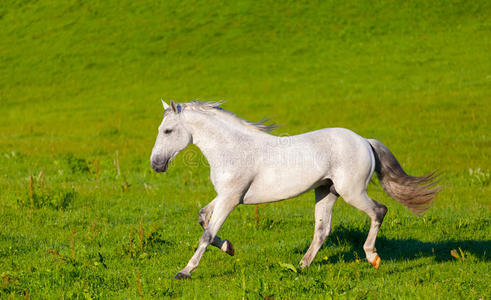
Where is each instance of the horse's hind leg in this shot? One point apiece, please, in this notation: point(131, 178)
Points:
point(376, 212)
point(204, 218)
point(324, 201)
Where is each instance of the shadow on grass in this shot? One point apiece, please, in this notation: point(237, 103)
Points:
point(400, 249)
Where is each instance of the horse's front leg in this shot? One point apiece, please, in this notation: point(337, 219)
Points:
point(223, 207)
point(204, 218)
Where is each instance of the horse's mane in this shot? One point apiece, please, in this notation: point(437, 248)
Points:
point(214, 107)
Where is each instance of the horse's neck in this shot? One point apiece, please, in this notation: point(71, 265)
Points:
point(216, 139)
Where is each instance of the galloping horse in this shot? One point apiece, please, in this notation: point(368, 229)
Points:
point(250, 166)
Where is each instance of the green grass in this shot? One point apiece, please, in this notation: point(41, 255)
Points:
point(80, 83)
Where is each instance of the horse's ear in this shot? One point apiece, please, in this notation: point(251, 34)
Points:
point(166, 106)
point(173, 105)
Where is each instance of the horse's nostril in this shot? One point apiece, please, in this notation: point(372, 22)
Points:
point(159, 165)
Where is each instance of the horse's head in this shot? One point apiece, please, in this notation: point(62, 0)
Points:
point(171, 139)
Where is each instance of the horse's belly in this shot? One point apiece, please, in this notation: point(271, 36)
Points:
point(275, 185)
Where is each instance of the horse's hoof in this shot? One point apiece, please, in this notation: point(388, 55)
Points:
point(376, 262)
point(228, 248)
point(181, 276)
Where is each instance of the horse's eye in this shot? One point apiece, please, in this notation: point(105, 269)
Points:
point(167, 131)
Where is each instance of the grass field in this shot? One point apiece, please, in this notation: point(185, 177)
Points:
point(82, 215)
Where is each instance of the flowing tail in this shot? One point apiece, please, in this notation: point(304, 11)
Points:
point(416, 193)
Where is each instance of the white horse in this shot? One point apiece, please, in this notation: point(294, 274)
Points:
point(250, 166)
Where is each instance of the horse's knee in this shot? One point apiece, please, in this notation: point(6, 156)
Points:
point(203, 217)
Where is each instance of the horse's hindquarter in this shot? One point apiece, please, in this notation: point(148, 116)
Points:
point(293, 165)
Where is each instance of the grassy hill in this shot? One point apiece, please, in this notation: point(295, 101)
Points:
point(83, 215)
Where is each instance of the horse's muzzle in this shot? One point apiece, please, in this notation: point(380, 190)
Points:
point(159, 165)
